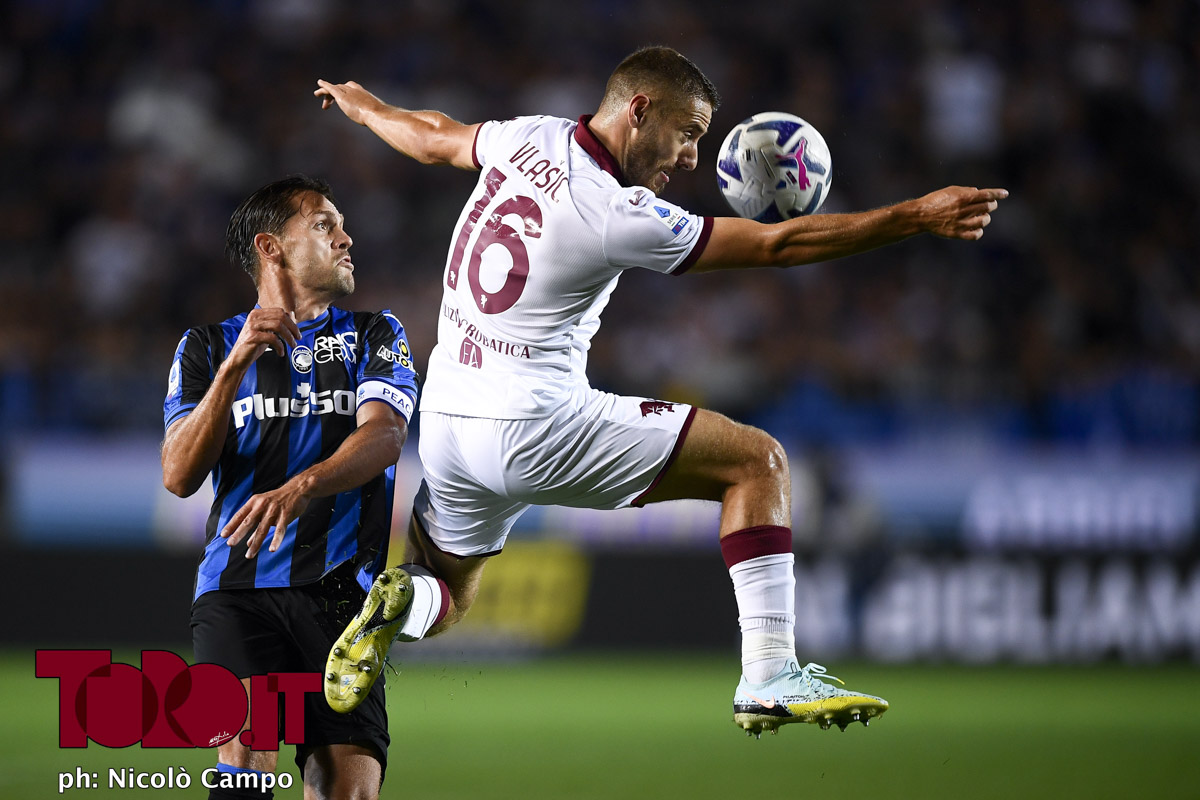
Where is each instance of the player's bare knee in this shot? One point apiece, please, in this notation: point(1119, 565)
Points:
point(777, 461)
point(766, 460)
point(331, 775)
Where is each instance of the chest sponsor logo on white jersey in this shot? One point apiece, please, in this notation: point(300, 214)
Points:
point(340, 347)
point(482, 339)
point(330, 401)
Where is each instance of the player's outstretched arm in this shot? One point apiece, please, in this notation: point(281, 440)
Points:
point(955, 212)
point(193, 444)
point(373, 447)
point(430, 137)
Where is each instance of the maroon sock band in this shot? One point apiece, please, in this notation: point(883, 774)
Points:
point(764, 540)
point(445, 601)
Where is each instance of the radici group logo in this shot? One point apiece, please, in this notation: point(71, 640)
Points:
point(167, 703)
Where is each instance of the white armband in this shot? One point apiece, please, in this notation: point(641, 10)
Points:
point(378, 390)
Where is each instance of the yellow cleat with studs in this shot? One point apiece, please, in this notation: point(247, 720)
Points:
point(356, 658)
point(801, 695)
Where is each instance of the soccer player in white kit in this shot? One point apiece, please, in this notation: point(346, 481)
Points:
point(508, 418)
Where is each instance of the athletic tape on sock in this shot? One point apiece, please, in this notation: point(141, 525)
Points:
point(766, 646)
point(765, 588)
point(430, 601)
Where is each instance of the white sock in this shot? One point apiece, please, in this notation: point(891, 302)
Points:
point(765, 589)
point(427, 604)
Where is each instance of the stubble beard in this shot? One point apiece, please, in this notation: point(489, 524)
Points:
point(643, 167)
point(335, 283)
point(343, 284)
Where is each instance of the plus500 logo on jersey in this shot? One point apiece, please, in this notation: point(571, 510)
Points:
point(330, 401)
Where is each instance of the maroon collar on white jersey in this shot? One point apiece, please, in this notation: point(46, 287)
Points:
point(594, 148)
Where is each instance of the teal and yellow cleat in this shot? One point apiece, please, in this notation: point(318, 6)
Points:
point(356, 658)
point(800, 695)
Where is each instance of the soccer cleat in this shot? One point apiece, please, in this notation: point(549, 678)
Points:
point(356, 658)
point(800, 695)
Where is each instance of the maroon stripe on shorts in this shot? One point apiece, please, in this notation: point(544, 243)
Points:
point(764, 540)
point(640, 500)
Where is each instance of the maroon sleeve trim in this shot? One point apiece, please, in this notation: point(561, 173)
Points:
point(640, 500)
point(706, 226)
point(764, 540)
point(475, 147)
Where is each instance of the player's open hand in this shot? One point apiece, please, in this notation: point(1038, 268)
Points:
point(265, 328)
point(959, 212)
point(354, 101)
point(262, 513)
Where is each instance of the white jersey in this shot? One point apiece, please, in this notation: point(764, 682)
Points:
point(535, 255)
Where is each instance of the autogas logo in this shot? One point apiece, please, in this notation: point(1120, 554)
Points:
point(399, 354)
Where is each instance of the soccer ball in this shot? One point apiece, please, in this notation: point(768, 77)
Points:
point(774, 166)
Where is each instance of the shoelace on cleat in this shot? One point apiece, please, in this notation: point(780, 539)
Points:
point(811, 669)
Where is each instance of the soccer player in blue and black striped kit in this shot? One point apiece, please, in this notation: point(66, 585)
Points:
point(299, 410)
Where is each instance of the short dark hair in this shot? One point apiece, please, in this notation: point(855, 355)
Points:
point(266, 211)
point(660, 68)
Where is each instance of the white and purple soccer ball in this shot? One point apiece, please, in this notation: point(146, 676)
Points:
point(774, 166)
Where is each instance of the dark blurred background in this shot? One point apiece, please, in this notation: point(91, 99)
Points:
point(1020, 412)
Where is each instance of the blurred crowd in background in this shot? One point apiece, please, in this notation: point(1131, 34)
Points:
point(132, 129)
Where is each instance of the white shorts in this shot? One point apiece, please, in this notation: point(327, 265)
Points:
point(602, 451)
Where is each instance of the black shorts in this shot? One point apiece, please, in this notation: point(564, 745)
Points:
point(256, 631)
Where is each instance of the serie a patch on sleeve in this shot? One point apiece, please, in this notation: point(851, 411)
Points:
point(671, 218)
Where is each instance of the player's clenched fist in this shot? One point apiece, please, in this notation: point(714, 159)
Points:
point(265, 328)
point(959, 212)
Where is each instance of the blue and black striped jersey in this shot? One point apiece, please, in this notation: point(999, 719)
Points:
point(289, 413)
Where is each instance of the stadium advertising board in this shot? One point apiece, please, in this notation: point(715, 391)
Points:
point(985, 609)
point(913, 555)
